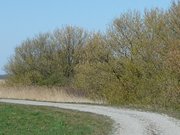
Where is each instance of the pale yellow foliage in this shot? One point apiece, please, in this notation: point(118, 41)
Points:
point(42, 94)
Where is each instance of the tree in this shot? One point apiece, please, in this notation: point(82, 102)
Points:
point(47, 59)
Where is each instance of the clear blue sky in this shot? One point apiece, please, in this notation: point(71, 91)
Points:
point(20, 19)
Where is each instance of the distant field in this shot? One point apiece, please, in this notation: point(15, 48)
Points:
point(30, 120)
point(3, 76)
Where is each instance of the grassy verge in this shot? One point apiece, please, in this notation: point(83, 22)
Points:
point(20, 119)
point(172, 112)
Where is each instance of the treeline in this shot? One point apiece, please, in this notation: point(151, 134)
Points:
point(137, 60)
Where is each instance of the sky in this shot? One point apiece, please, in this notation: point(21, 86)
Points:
point(22, 19)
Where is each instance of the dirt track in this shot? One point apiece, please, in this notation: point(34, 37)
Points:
point(126, 121)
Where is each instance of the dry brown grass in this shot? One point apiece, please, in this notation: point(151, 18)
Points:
point(2, 81)
point(44, 94)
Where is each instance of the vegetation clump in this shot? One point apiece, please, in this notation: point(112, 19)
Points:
point(137, 60)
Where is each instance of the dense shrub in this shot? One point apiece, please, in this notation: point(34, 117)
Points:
point(137, 61)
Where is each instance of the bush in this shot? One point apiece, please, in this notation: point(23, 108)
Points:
point(135, 62)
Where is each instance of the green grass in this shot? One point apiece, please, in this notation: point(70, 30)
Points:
point(31, 120)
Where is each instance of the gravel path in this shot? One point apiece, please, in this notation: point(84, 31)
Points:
point(126, 121)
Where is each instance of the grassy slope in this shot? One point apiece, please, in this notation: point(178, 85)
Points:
point(19, 120)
